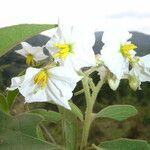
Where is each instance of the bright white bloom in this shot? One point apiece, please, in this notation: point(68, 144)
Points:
point(140, 72)
point(42, 85)
point(32, 54)
point(117, 52)
point(73, 47)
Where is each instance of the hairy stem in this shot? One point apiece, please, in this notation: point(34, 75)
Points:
point(88, 113)
point(79, 92)
point(97, 89)
point(90, 101)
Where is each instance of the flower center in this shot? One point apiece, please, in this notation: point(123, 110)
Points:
point(126, 51)
point(41, 78)
point(64, 50)
point(29, 60)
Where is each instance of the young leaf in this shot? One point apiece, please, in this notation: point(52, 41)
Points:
point(117, 112)
point(124, 144)
point(76, 110)
point(19, 133)
point(3, 103)
point(13, 35)
point(49, 116)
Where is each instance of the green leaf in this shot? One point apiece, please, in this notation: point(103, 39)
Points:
point(76, 110)
point(13, 35)
point(49, 116)
point(3, 103)
point(11, 96)
point(124, 144)
point(117, 112)
point(70, 128)
point(19, 133)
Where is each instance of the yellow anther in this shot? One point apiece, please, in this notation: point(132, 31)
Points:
point(125, 50)
point(64, 50)
point(29, 60)
point(41, 78)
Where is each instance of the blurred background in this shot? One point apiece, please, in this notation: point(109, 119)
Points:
point(96, 15)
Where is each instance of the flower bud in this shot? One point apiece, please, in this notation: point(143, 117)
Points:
point(133, 82)
point(113, 83)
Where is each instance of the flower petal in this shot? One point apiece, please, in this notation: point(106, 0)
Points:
point(22, 52)
point(116, 63)
point(55, 94)
point(142, 69)
point(16, 83)
point(38, 53)
point(65, 73)
point(115, 35)
point(26, 46)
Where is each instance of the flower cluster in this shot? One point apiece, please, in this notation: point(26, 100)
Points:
point(71, 49)
point(120, 61)
point(55, 81)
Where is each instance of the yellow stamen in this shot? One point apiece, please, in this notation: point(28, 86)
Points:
point(64, 50)
point(125, 50)
point(29, 60)
point(41, 78)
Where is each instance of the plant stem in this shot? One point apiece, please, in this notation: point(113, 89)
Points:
point(90, 101)
point(97, 89)
point(79, 92)
point(88, 113)
point(91, 70)
point(86, 127)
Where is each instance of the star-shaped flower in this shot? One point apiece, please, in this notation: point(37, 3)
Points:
point(32, 54)
point(118, 52)
point(73, 47)
point(47, 84)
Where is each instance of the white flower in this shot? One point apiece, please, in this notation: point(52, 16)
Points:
point(73, 47)
point(140, 71)
point(43, 85)
point(32, 54)
point(117, 52)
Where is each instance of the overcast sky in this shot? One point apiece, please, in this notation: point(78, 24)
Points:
point(134, 14)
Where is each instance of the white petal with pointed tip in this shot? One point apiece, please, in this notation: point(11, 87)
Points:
point(36, 52)
point(82, 41)
point(16, 83)
point(58, 89)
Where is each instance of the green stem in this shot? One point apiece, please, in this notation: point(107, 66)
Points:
point(90, 101)
point(79, 92)
point(88, 113)
point(91, 70)
point(97, 89)
point(91, 83)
